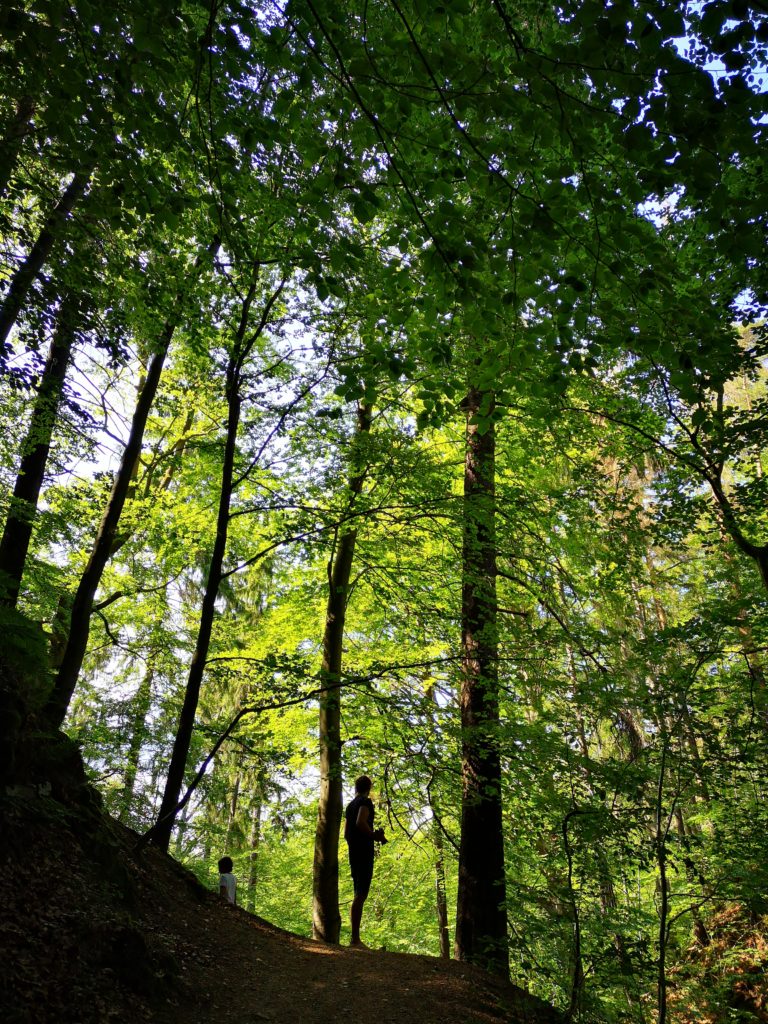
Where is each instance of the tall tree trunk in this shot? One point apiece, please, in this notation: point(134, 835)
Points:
point(104, 543)
point(441, 897)
point(232, 810)
point(19, 126)
point(326, 919)
point(481, 922)
point(21, 281)
point(35, 449)
point(79, 627)
point(160, 833)
point(141, 705)
point(254, 842)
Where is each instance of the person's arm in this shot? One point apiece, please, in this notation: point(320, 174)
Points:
point(364, 824)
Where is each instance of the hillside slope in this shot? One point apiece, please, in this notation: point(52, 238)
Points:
point(89, 934)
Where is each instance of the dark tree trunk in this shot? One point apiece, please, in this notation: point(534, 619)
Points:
point(21, 281)
point(103, 545)
point(326, 919)
point(441, 899)
point(105, 541)
point(160, 834)
point(20, 125)
point(481, 922)
point(36, 447)
point(438, 842)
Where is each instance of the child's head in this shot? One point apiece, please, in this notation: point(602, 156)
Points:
point(225, 865)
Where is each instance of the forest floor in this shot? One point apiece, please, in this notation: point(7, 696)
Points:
point(91, 933)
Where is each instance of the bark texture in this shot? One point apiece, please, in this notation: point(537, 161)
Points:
point(326, 919)
point(481, 921)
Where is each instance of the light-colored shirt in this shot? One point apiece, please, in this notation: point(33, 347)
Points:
point(229, 882)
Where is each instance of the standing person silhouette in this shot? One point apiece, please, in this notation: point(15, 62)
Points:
point(360, 836)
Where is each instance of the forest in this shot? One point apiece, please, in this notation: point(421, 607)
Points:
point(384, 390)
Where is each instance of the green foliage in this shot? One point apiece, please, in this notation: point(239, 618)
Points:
point(563, 208)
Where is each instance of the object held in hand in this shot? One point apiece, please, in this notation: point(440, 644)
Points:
point(379, 836)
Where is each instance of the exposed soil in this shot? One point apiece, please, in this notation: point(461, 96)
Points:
point(89, 933)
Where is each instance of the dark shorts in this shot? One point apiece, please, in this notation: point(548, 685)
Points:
point(361, 866)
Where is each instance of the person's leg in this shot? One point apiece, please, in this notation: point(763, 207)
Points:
point(362, 873)
point(355, 917)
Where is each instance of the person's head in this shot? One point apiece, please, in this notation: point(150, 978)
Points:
point(363, 785)
point(225, 865)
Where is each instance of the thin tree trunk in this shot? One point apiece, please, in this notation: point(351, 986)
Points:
point(161, 830)
point(661, 861)
point(254, 842)
point(21, 281)
point(481, 921)
point(14, 137)
point(35, 448)
point(232, 815)
point(694, 876)
point(104, 543)
point(181, 831)
point(79, 628)
point(326, 919)
point(141, 705)
point(441, 897)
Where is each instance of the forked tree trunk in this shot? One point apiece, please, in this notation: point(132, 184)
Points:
point(50, 233)
point(326, 919)
point(35, 449)
point(481, 917)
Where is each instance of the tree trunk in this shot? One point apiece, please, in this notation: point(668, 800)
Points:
point(79, 627)
point(441, 898)
point(141, 705)
point(254, 843)
point(104, 543)
point(481, 923)
point(21, 281)
point(326, 919)
point(160, 834)
point(14, 137)
point(232, 811)
point(35, 448)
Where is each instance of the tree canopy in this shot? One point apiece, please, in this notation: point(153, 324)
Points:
point(404, 362)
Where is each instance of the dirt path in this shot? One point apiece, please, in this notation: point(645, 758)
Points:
point(247, 972)
point(92, 934)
